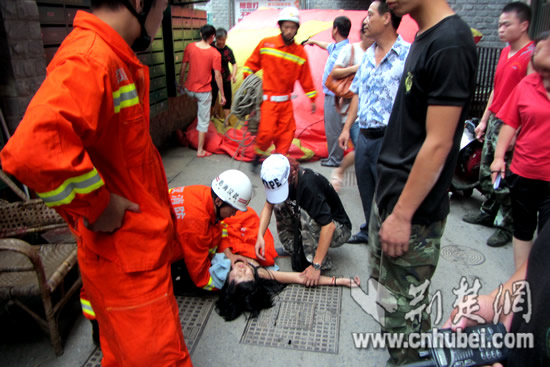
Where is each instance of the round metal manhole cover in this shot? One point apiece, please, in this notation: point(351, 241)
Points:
point(463, 255)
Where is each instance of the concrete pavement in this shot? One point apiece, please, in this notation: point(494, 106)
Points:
point(464, 254)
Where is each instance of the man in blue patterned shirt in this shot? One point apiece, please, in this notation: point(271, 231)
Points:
point(333, 120)
point(375, 86)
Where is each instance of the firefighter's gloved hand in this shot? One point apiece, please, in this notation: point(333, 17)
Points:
point(313, 107)
point(112, 217)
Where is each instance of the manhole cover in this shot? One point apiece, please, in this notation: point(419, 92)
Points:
point(463, 255)
point(302, 318)
point(193, 313)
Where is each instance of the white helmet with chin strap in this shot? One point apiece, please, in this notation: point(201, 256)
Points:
point(234, 188)
point(289, 14)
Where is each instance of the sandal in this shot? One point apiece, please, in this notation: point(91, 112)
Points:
point(205, 154)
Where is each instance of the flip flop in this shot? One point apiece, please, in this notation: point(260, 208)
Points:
point(205, 154)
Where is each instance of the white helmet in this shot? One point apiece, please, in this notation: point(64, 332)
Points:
point(290, 14)
point(234, 188)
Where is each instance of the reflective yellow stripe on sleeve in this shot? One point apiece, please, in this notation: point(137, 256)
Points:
point(312, 94)
point(87, 307)
point(64, 194)
point(248, 70)
point(282, 55)
point(125, 96)
point(210, 286)
point(224, 230)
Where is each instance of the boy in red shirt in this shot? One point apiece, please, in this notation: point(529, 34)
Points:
point(511, 68)
point(202, 59)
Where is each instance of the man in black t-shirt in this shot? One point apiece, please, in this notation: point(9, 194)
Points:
point(227, 76)
point(305, 205)
point(417, 160)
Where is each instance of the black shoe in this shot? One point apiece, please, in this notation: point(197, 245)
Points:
point(327, 163)
point(358, 238)
point(499, 238)
point(480, 218)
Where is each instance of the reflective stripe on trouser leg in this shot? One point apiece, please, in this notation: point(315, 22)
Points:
point(137, 314)
point(413, 268)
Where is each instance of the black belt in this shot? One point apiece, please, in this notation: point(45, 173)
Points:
point(374, 133)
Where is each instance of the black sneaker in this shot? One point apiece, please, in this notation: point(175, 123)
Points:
point(500, 238)
point(480, 218)
point(358, 238)
point(327, 163)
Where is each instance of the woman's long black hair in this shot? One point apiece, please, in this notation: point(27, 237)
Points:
point(252, 296)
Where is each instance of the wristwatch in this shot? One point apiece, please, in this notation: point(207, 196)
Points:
point(316, 266)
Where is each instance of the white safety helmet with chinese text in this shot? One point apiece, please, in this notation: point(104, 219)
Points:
point(289, 14)
point(234, 188)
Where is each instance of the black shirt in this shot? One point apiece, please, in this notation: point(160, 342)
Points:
point(440, 70)
point(227, 58)
point(538, 279)
point(318, 198)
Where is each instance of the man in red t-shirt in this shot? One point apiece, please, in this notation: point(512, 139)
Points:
point(202, 59)
point(512, 66)
point(526, 110)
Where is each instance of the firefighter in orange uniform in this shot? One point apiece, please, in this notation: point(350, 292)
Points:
point(283, 63)
point(84, 147)
point(200, 210)
point(240, 233)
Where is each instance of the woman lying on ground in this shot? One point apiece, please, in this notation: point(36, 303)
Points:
point(251, 288)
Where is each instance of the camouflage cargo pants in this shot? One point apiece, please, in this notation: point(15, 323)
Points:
point(404, 278)
point(286, 216)
point(499, 198)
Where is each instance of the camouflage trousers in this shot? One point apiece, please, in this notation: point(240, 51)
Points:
point(406, 280)
point(286, 216)
point(499, 198)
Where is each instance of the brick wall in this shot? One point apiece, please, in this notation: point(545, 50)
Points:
point(482, 15)
point(23, 66)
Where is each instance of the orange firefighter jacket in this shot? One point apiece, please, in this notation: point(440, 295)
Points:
point(239, 233)
point(85, 134)
point(282, 65)
point(198, 230)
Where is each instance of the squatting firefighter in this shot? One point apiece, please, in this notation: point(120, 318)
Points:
point(283, 63)
point(84, 147)
point(200, 211)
